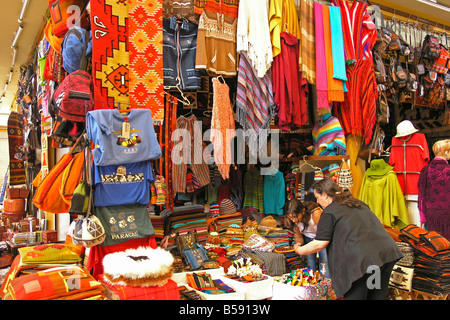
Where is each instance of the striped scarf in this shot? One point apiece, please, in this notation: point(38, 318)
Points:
point(254, 100)
point(307, 57)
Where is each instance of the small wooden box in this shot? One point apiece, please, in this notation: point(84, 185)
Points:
point(49, 236)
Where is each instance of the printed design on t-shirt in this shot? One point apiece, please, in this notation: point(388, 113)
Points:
point(123, 225)
point(129, 143)
point(121, 176)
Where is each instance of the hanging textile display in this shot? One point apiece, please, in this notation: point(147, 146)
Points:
point(357, 113)
point(15, 140)
point(188, 152)
point(275, 16)
point(222, 127)
point(321, 62)
point(253, 34)
point(146, 60)
point(289, 86)
point(328, 137)
point(335, 86)
point(307, 56)
point(110, 55)
point(254, 101)
point(216, 44)
point(381, 191)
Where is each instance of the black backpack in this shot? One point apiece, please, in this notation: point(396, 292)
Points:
point(430, 47)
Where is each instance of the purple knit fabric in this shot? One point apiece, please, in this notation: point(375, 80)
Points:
point(434, 196)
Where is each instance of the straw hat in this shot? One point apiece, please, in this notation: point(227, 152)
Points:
point(405, 128)
point(268, 224)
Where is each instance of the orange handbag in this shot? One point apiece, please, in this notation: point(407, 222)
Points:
point(47, 196)
point(71, 177)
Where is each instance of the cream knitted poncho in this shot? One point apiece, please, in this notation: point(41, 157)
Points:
point(253, 34)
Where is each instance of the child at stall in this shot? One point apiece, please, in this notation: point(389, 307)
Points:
point(303, 220)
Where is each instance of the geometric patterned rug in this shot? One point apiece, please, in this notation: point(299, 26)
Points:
point(127, 54)
point(15, 140)
point(145, 51)
point(110, 56)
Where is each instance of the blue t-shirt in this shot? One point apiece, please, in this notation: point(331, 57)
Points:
point(104, 128)
point(122, 184)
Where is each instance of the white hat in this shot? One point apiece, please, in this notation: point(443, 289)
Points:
point(405, 128)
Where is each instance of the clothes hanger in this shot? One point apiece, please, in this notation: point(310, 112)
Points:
point(184, 100)
point(305, 163)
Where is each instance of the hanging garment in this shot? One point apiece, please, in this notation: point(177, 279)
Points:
point(381, 191)
point(254, 190)
point(122, 184)
point(227, 7)
point(289, 19)
point(434, 196)
point(352, 21)
point(188, 152)
point(275, 27)
point(289, 87)
point(337, 44)
point(411, 158)
point(328, 131)
point(222, 127)
point(181, 9)
point(274, 193)
point(335, 86)
point(357, 113)
point(321, 60)
point(253, 34)
point(216, 44)
point(307, 55)
point(254, 101)
point(179, 53)
point(104, 129)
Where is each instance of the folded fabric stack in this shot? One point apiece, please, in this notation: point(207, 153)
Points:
point(279, 237)
point(158, 226)
point(431, 274)
point(222, 222)
point(189, 217)
point(431, 260)
point(235, 235)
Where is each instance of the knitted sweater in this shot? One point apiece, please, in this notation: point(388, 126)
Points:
point(328, 131)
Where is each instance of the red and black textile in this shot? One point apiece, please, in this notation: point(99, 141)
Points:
point(15, 140)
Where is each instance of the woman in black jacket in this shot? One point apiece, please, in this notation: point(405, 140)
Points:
point(361, 254)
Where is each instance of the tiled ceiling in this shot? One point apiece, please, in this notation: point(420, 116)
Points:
point(34, 19)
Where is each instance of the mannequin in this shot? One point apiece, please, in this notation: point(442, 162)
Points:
point(409, 154)
point(434, 195)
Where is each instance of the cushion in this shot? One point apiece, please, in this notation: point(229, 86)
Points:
point(169, 291)
point(142, 266)
point(55, 283)
point(49, 253)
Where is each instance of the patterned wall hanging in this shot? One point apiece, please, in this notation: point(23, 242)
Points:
point(145, 49)
point(15, 139)
point(110, 56)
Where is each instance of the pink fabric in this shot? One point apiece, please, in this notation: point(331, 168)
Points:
point(321, 63)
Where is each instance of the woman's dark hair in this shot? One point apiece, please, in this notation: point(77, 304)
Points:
point(330, 188)
point(296, 206)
